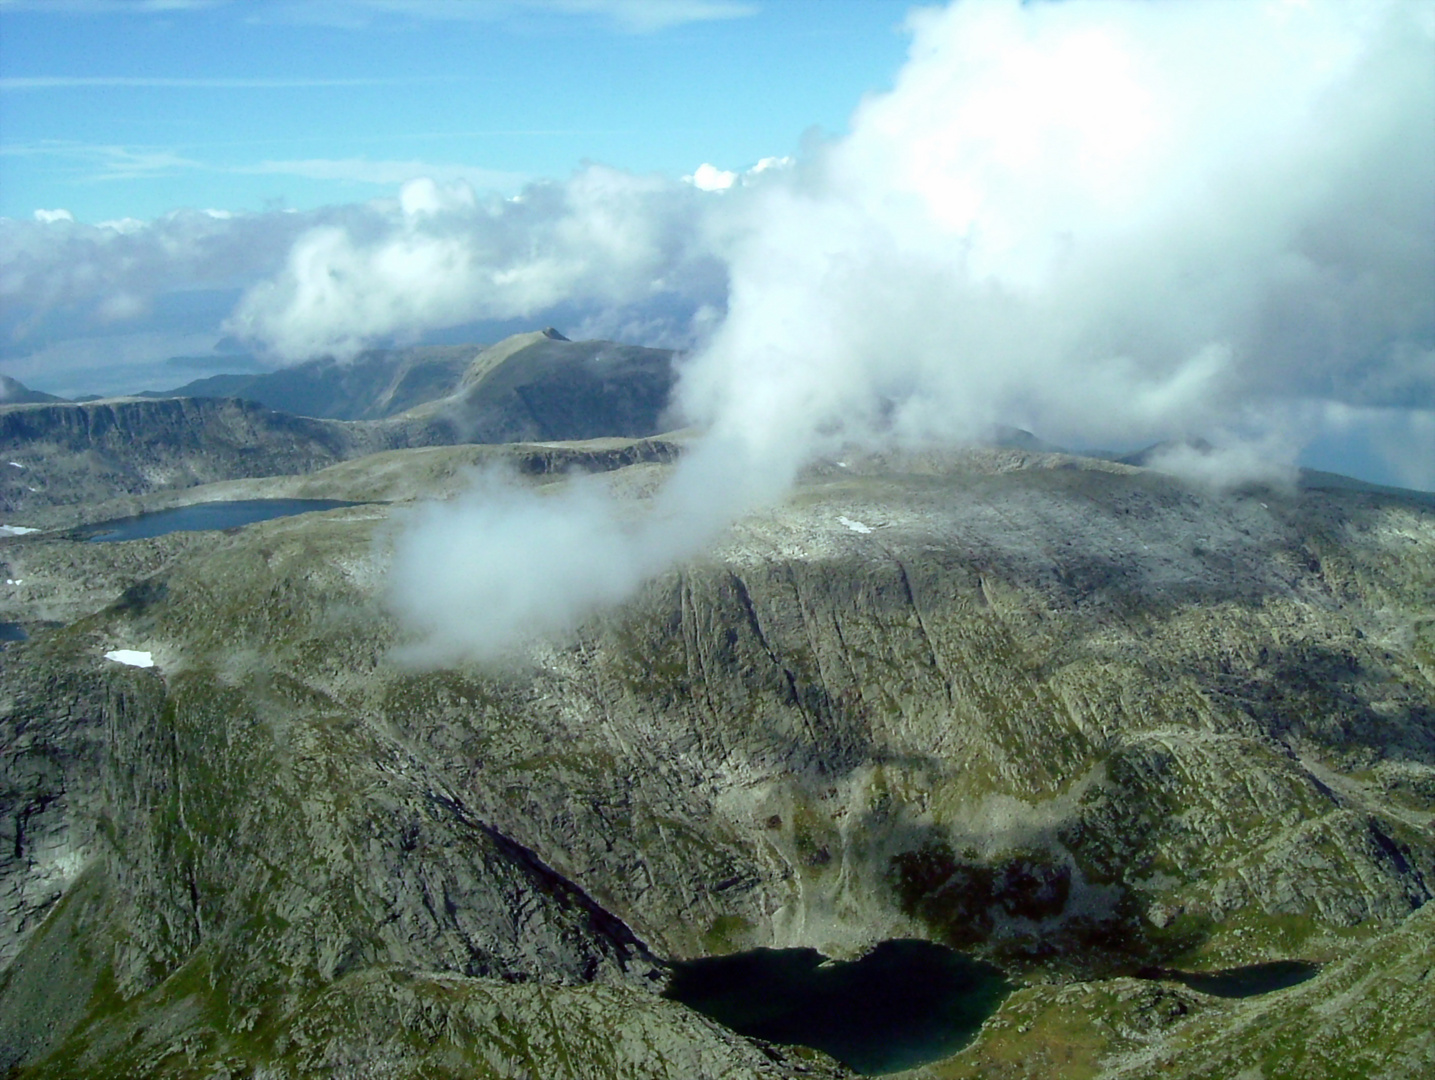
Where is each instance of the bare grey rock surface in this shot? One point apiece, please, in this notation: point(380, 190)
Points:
point(1074, 716)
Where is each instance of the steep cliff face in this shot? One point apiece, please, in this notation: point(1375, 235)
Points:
point(76, 452)
point(210, 871)
point(1074, 716)
point(529, 387)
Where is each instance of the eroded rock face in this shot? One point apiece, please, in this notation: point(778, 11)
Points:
point(527, 387)
point(1074, 716)
point(90, 451)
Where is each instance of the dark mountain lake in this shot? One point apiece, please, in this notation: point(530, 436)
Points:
point(201, 516)
point(1241, 982)
point(12, 631)
point(903, 1004)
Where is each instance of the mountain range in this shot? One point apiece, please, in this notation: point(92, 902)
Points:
point(533, 387)
point(1100, 726)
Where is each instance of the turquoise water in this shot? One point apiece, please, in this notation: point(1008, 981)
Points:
point(903, 1004)
point(1240, 982)
point(200, 516)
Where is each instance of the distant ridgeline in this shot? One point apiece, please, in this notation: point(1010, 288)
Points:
point(14, 392)
point(535, 387)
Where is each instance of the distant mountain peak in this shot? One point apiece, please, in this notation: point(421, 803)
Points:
point(1147, 455)
point(14, 392)
point(554, 334)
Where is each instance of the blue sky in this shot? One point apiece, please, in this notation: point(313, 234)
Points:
point(112, 109)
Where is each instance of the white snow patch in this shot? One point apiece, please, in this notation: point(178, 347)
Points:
point(133, 657)
point(855, 526)
point(15, 530)
point(17, 464)
point(14, 581)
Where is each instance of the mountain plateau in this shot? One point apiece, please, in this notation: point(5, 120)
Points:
point(1073, 716)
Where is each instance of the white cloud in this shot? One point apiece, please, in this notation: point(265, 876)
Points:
point(111, 162)
point(478, 554)
point(484, 574)
point(121, 307)
point(710, 178)
point(1098, 222)
point(707, 177)
point(63, 279)
point(1092, 220)
point(769, 163)
point(1268, 461)
point(1101, 222)
point(426, 196)
point(46, 217)
point(442, 257)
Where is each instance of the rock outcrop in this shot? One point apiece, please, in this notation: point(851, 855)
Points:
point(72, 453)
point(1073, 716)
point(530, 387)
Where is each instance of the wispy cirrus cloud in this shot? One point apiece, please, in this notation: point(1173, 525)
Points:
point(80, 82)
point(628, 16)
point(109, 7)
point(387, 173)
point(96, 162)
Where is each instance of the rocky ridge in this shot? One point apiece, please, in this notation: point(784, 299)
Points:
point(1074, 716)
point(530, 387)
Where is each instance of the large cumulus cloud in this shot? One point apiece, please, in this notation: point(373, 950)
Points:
point(603, 241)
point(54, 268)
point(1102, 221)
point(93, 307)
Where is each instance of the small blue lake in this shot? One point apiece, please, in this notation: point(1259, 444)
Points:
point(903, 1004)
point(201, 516)
point(1240, 982)
point(13, 631)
